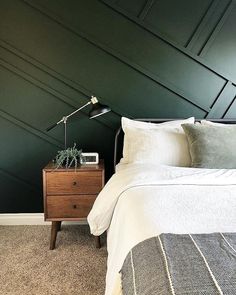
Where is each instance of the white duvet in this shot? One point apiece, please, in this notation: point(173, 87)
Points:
point(141, 201)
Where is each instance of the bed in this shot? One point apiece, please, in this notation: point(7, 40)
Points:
point(170, 228)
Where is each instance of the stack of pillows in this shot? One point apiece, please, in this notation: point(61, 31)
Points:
point(180, 143)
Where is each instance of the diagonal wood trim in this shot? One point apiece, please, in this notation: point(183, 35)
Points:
point(54, 74)
point(45, 68)
point(31, 129)
point(19, 180)
point(42, 85)
point(148, 5)
point(202, 23)
point(217, 29)
point(207, 26)
point(82, 35)
point(36, 82)
point(223, 101)
point(233, 101)
point(165, 39)
point(164, 83)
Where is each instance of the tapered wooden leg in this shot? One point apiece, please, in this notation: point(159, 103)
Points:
point(54, 229)
point(59, 226)
point(98, 241)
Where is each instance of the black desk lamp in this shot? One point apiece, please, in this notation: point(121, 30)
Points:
point(98, 109)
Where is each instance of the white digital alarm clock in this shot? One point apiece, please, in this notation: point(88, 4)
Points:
point(89, 158)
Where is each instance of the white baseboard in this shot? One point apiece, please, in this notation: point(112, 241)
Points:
point(22, 219)
point(29, 219)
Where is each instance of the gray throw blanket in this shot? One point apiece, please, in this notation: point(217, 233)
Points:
point(171, 264)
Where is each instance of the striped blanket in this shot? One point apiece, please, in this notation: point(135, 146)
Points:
point(171, 264)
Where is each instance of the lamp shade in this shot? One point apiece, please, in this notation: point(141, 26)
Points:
point(98, 109)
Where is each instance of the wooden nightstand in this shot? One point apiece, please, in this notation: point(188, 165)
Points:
point(69, 194)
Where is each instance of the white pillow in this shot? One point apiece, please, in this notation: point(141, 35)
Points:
point(127, 123)
point(163, 143)
point(209, 123)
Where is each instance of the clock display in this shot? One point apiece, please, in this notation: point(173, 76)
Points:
point(90, 158)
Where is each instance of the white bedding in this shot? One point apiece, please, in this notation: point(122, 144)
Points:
point(143, 200)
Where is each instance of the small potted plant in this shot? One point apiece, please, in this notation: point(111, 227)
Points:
point(68, 157)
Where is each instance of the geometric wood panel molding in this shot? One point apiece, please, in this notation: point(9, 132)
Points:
point(214, 28)
point(144, 58)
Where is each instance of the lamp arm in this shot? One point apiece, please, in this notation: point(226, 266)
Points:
point(71, 114)
point(64, 119)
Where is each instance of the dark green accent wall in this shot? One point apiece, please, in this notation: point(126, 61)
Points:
point(144, 58)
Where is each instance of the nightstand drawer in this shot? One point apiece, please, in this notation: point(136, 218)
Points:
point(61, 183)
point(77, 206)
point(69, 194)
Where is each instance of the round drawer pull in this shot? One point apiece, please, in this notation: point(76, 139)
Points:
point(75, 206)
point(74, 183)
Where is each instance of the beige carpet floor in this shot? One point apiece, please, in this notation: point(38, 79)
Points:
point(28, 267)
